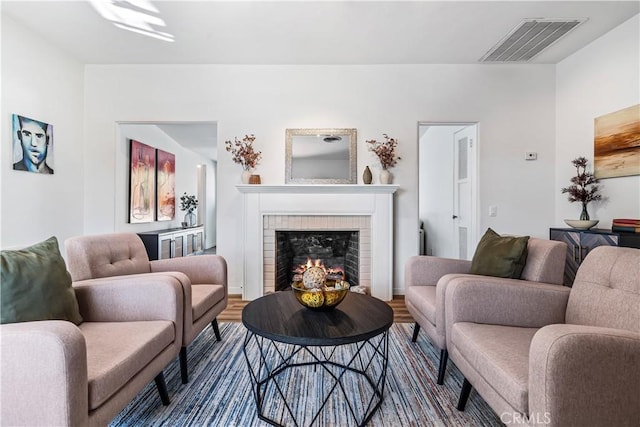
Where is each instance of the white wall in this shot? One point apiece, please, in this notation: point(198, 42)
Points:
point(187, 162)
point(212, 184)
point(518, 107)
point(514, 105)
point(601, 78)
point(42, 82)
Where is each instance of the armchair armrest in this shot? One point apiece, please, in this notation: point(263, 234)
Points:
point(201, 269)
point(499, 301)
point(585, 375)
point(44, 374)
point(130, 298)
point(441, 290)
point(427, 270)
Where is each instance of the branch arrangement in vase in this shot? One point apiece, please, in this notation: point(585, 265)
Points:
point(385, 150)
point(188, 203)
point(584, 186)
point(243, 153)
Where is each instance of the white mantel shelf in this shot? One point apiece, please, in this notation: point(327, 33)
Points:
point(374, 201)
point(317, 188)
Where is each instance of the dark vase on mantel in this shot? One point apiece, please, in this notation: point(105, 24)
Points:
point(584, 216)
point(367, 177)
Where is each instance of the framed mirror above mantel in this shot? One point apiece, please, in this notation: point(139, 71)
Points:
point(320, 156)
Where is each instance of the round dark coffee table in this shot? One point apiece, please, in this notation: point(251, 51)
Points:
point(348, 343)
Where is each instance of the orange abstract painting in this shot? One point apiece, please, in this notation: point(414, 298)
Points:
point(617, 143)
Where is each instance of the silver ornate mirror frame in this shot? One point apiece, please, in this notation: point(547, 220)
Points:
point(308, 148)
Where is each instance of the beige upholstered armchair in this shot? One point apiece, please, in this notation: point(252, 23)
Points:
point(203, 277)
point(55, 373)
point(552, 355)
point(426, 279)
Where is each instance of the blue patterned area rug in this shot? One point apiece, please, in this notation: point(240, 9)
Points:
point(219, 392)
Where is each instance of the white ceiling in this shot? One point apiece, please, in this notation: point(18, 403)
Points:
point(313, 32)
point(199, 137)
point(308, 32)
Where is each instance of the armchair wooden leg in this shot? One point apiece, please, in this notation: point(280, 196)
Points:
point(416, 330)
point(216, 330)
point(464, 395)
point(162, 389)
point(184, 372)
point(444, 357)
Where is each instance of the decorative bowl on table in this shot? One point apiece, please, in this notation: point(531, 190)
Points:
point(325, 297)
point(579, 224)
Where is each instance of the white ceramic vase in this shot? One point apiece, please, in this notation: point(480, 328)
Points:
point(246, 174)
point(385, 177)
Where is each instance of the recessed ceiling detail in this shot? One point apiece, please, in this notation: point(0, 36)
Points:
point(529, 38)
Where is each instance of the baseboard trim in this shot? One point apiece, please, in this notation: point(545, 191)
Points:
point(234, 290)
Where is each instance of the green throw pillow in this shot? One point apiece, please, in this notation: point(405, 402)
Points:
point(500, 256)
point(36, 285)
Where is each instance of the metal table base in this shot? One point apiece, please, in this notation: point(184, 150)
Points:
point(355, 372)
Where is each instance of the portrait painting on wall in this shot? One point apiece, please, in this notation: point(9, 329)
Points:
point(142, 182)
point(32, 145)
point(166, 175)
point(617, 143)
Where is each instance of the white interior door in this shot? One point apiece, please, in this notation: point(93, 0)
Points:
point(464, 192)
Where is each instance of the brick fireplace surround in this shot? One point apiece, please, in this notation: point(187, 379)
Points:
point(365, 208)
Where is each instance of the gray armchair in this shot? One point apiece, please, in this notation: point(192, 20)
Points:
point(55, 373)
point(549, 354)
point(203, 277)
point(426, 279)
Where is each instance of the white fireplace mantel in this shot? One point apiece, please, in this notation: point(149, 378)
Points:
point(375, 201)
point(317, 189)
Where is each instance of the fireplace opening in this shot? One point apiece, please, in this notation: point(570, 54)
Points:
point(337, 250)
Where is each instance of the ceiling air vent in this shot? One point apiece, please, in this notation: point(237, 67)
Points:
point(530, 38)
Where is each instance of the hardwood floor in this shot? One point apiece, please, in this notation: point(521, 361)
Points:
point(233, 312)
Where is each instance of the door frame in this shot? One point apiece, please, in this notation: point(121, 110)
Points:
point(475, 187)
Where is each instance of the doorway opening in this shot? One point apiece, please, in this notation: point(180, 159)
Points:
point(193, 148)
point(448, 189)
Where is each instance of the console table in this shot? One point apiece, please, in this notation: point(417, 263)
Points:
point(173, 242)
point(344, 353)
point(580, 242)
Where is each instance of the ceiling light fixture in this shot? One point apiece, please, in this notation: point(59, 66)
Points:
point(133, 15)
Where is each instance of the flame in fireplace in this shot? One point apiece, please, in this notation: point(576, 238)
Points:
point(333, 273)
point(316, 263)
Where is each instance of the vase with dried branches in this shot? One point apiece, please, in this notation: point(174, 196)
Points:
point(244, 154)
point(385, 150)
point(584, 186)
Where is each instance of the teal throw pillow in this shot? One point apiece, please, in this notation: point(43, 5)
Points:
point(500, 256)
point(35, 285)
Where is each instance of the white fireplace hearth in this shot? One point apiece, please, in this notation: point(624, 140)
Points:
point(365, 208)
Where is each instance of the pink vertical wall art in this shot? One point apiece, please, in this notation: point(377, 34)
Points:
point(166, 184)
point(142, 183)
